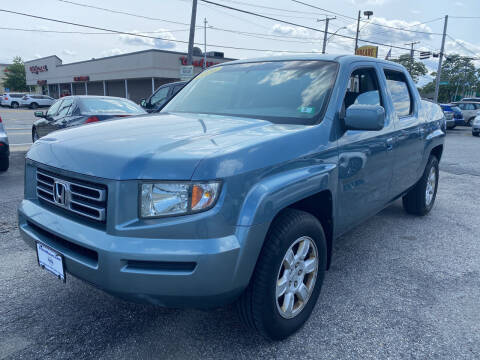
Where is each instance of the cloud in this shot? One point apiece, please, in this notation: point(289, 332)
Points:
point(368, 2)
point(112, 52)
point(279, 29)
point(163, 43)
point(459, 4)
point(69, 52)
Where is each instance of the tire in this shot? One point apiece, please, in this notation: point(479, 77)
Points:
point(417, 201)
point(258, 307)
point(14, 105)
point(476, 134)
point(34, 105)
point(4, 163)
point(469, 122)
point(35, 136)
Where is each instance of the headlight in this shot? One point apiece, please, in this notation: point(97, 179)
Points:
point(177, 198)
point(477, 120)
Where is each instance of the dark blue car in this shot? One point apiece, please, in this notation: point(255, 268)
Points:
point(457, 114)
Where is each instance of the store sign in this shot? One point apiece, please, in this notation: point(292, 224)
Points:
point(367, 50)
point(81, 78)
point(41, 82)
point(38, 69)
point(186, 72)
point(197, 63)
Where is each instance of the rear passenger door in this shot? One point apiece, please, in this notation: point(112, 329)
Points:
point(365, 163)
point(410, 131)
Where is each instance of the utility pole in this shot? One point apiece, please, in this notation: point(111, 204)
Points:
point(412, 53)
point(439, 70)
point(205, 43)
point(358, 30)
point(327, 19)
point(191, 38)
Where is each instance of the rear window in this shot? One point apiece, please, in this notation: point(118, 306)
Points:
point(401, 97)
point(113, 106)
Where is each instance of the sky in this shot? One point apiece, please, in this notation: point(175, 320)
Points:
point(168, 21)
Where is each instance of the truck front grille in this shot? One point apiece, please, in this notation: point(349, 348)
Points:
point(82, 198)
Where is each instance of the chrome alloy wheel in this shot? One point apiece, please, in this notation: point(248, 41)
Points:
point(296, 277)
point(431, 184)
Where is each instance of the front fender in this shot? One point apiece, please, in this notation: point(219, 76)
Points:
point(276, 192)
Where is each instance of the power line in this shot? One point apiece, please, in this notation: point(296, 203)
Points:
point(87, 32)
point(146, 36)
point(271, 8)
point(301, 26)
point(122, 12)
point(462, 46)
point(373, 23)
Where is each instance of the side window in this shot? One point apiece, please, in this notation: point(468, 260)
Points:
point(159, 97)
point(401, 96)
point(362, 89)
point(461, 106)
point(469, 107)
point(477, 106)
point(52, 110)
point(65, 107)
point(177, 88)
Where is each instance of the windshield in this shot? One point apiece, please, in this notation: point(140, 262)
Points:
point(107, 106)
point(287, 92)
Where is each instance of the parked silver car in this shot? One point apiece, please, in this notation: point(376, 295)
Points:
point(12, 99)
point(476, 125)
point(34, 101)
point(4, 148)
point(469, 110)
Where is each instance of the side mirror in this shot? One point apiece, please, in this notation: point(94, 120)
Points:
point(39, 114)
point(365, 117)
point(143, 103)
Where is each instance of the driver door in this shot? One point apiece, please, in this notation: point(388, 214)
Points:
point(365, 159)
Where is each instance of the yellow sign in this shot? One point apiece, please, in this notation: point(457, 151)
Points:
point(367, 50)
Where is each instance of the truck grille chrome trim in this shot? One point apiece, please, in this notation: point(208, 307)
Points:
point(77, 197)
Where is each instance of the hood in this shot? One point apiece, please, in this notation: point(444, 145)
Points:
point(160, 146)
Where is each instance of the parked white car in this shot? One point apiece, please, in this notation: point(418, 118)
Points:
point(34, 101)
point(12, 99)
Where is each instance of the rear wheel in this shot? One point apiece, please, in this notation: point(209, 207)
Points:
point(420, 199)
point(14, 105)
point(288, 276)
point(4, 163)
point(34, 105)
point(469, 122)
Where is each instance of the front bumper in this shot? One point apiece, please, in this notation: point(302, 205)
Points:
point(476, 129)
point(167, 272)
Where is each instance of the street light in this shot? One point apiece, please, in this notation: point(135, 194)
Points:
point(367, 13)
point(336, 31)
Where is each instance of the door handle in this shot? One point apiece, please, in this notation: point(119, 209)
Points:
point(389, 144)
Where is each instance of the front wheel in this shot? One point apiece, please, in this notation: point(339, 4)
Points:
point(475, 133)
point(288, 276)
point(420, 199)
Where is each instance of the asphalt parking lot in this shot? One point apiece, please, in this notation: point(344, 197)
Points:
point(400, 287)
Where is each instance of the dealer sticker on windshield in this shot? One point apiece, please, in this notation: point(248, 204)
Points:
point(306, 109)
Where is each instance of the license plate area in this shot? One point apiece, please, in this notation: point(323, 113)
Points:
point(51, 261)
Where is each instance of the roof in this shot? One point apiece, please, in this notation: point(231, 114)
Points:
point(127, 54)
point(325, 57)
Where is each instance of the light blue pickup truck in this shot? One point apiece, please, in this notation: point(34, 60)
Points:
point(237, 189)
